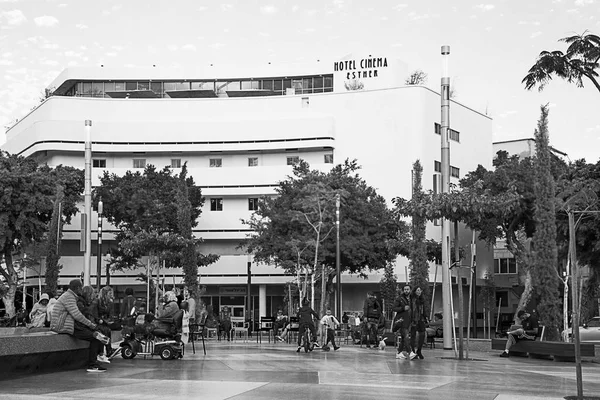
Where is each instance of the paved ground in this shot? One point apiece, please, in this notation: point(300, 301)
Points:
point(275, 371)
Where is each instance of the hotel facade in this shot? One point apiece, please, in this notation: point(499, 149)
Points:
point(239, 129)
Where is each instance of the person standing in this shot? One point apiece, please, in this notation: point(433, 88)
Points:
point(418, 323)
point(64, 315)
point(191, 304)
point(330, 323)
point(372, 312)
point(225, 322)
point(128, 304)
point(401, 323)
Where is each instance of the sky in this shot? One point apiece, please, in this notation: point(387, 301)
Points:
point(493, 45)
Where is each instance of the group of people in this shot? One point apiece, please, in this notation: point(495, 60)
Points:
point(410, 322)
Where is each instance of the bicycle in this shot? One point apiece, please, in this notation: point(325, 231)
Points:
point(306, 341)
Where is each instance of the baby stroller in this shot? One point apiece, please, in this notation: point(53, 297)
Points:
point(147, 340)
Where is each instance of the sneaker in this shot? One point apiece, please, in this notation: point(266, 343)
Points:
point(298, 350)
point(368, 346)
point(412, 355)
point(102, 358)
point(96, 368)
point(400, 356)
point(504, 354)
point(420, 355)
point(279, 338)
point(336, 348)
point(317, 345)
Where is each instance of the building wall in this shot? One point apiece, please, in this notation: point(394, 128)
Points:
point(386, 130)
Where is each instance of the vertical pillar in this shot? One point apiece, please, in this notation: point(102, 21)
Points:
point(262, 300)
point(445, 161)
point(87, 259)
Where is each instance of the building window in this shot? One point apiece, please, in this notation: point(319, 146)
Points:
point(139, 163)
point(505, 266)
point(454, 135)
point(293, 160)
point(437, 166)
point(97, 163)
point(216, 162)
point(328, 158)
point(175, 162)
point(437, 189)
point(253, 204)
point(454, 172)
point(216, 204)
point(253, 161)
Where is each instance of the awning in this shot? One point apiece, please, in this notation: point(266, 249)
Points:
point(133, 94)
point(192, 93)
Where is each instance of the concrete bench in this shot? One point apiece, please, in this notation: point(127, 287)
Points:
point(560, 351)
point(23, 351)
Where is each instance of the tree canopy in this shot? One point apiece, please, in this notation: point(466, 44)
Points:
point(27, 191)
point(154, 212)
point(282, 236)
point(580, 61)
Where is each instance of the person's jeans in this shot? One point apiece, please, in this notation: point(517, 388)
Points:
point(419, 328)
point(331, 337)
point(404, 344)
point(85, 333)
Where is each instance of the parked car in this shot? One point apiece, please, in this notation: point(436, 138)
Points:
point(588, 332)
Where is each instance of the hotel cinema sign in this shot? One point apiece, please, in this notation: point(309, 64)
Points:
point(363, 68)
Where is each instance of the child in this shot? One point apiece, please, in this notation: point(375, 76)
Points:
point(305, 321)
point(330, 322)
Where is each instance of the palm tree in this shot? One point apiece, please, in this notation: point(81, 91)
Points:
point(580, 60)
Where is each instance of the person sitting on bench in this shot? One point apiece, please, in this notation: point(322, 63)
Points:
point(527, 330)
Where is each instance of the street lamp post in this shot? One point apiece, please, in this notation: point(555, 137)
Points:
point(337, 258)
point(445, 147)
point(99, 256)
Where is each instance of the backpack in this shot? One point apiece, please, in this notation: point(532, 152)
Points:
point(373, 309)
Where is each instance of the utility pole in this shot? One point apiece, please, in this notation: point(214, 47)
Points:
point(337, 258)
point(448, 318)
point(87, 211)
point(575, 301)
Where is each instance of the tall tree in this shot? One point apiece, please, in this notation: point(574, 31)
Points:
point(151, 214)
point(579, 62)
point(368, 231)
point(26, 206)
point(419, 267)
point(545, 272)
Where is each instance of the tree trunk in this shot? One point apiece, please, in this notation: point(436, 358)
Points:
point(527, 292)
point(11, 281)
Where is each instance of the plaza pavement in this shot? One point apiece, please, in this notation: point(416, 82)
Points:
point(275, 371)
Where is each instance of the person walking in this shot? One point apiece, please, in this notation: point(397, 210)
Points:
point(372, 312)
point(401, 323)
point(418, 323)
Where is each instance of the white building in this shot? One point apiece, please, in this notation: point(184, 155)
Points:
point(239, 128)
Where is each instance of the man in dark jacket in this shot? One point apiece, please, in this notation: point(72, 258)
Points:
point(402, 321)
point(305, 320)
point(372, 314)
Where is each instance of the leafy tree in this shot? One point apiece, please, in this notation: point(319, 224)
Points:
point(545, 276)
point(26, 207)
point(154, 213)
point(417, 77)
point(283, 236)
point(388, 285)
point(419, 267)
point(580, 61)
point(53, 243)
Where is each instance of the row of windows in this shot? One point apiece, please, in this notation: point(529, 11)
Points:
point(505, 266)
point(454, 135)
point(454, 172)
point(278, 86)
point(216, 204)
point(212, 163)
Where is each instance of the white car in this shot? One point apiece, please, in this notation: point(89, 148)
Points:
point(589, 332)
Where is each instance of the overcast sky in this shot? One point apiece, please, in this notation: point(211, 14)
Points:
point(493, 44)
